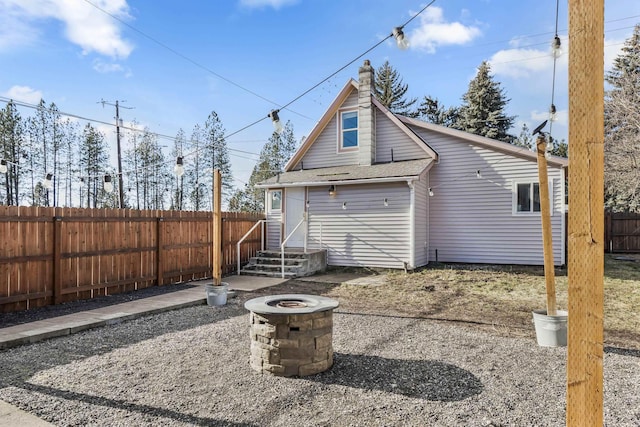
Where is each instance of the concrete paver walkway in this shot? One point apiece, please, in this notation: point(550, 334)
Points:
point(11, 416)
point(68, 324)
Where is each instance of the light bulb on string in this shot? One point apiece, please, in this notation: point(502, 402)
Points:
point(430, 192)
point(401, 40)
point(48, 181)
point(553, 116)
point(275, 119)
point(108, 184)
point(178, 169)
point(3, 166)
point(556, 47)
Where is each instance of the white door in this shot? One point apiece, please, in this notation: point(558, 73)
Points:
point(294, 212)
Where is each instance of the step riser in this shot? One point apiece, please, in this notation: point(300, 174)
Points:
point(296, 264)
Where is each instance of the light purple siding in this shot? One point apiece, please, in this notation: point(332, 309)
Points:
point(366, 233)
point(390, 137)
point(471, 219)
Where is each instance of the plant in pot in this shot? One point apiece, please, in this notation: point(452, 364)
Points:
point(550, 324)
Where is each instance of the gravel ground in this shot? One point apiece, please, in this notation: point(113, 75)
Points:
point(190, 367)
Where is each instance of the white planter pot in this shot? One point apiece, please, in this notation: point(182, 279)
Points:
point(551, 331)
point(216, 295)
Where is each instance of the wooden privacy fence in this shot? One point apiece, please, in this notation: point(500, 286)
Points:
point(622, 232)
point(55, 255)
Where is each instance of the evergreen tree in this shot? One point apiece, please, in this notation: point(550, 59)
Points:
point(272, 160)
point(131, 171)
point(178, 188)
point(483, 109)
point(622, 130)
point(195, 175)
point(216, 154)
point(93, 165)
point(525, 139)
point(390, 91)
point(432, 111)
point(11, 150)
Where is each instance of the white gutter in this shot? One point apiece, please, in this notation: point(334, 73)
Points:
point(341, 182)
point(412, 224)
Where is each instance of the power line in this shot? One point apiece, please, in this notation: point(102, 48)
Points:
point(192, 61)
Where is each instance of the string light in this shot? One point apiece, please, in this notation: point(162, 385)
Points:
point(430, 192)
point(108, 184)
point(386, 202)
point(179, 167)
point(556, 47)
point(478, 174)
point(275, 119)
point(401, 40)
point(3, 166)
point(552, 113)
point(48, 183)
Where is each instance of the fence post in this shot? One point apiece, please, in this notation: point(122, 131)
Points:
point(159, 254)
point(57, 259)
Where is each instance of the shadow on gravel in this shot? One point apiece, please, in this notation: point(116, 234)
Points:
point(423, 379)
point(146, 410)
point(622, 351)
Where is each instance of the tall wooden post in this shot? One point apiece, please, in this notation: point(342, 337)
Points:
point(586, 213)
point(545, 214)
point(217, 228)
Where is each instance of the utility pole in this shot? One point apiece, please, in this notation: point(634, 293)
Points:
point(118, 124)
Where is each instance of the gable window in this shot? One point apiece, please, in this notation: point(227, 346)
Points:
point(527, 197)
point(275, 200)
point(348, 130)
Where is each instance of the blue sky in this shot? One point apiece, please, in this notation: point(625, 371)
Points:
point(174, 62)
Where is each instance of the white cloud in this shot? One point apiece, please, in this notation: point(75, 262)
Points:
point(562, 117)
point(612, 48)
point(104, 67)
point(24, 94)
point(86, 26)
point(434, 31)
point(276, 4)
point(523, 63)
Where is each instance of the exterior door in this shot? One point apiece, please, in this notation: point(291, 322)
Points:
point(294, 212)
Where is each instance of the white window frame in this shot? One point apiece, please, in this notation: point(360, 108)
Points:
point(270, 200)
point(341, 130)
point(514, 199)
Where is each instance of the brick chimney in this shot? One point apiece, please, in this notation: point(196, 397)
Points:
point(366, 116)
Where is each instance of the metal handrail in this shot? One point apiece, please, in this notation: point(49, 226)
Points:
point(303, 220)
point(260, 222)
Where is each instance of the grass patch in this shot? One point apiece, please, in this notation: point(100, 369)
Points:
point(502, 296)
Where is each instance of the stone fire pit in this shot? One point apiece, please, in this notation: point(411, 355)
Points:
point(291, 335)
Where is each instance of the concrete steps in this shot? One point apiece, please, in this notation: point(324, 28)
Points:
point(296, 264)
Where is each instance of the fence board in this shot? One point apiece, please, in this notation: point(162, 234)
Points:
point(622, 232)
point(105, 251)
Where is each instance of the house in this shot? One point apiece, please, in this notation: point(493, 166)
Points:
point(381, 190)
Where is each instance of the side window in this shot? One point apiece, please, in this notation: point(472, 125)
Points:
point(527, 197)
point(275, 200)
point(348, 130)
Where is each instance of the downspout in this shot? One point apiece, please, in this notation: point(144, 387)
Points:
point(412, 224)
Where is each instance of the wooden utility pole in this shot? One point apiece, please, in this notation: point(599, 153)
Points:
point(545, 214)
point(217, 228)
point(586, 214)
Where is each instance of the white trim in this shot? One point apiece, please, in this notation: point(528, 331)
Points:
point(343, 182)
point(340, 139)
point(563, 216)
point(412, 224)
point(269, 198)
point(514, 198)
